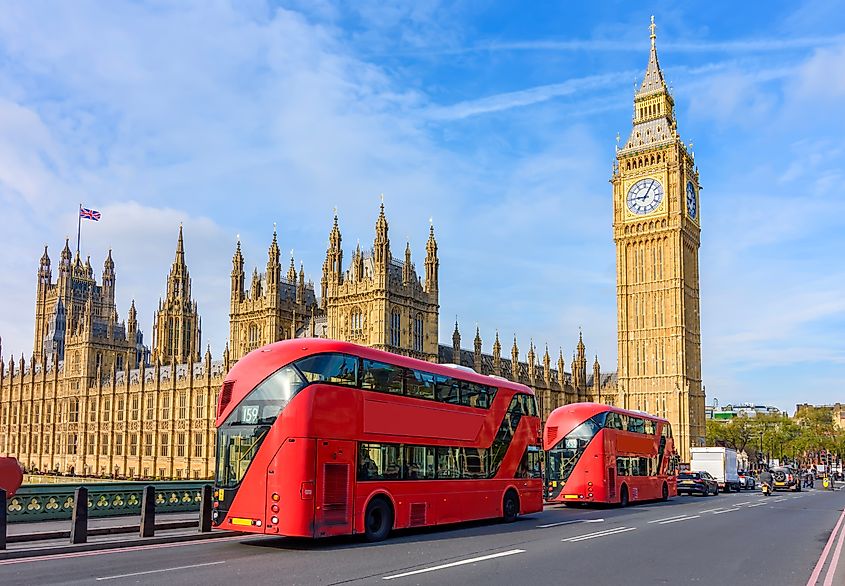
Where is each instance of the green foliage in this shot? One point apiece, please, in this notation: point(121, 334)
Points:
point(777, 436)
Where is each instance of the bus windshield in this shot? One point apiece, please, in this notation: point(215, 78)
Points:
point(561, 459)
point(240, 436)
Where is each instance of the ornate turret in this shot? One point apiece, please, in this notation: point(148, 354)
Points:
point(334, 255)
point(237, 275)
point(177, 335)
point(291, 276)
point(274, 270)
point(514, 360)
point(532, 361)
point(381, 245)
point(408, 268)
point(132, 322)
point(255, 287)
point(596, 376)
point(547, 366)
point(108, 278)
point(300, 285)
point(44, 273)
point(477, 351)
point(497, 356)
point(64, 262)
point(432, 263)
point(561, 375)
point(456, 345)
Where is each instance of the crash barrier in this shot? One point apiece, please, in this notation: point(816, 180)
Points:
point(55, 501)
point(149, 500)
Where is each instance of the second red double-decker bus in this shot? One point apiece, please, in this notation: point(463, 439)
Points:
point(601, 454)
point(318, 438)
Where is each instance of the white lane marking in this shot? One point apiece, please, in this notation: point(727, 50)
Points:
point(681, 519)
point(726, 511)
point(780, 500)
point(606, 533)
point(756, 505)
point(571, 522)
point(453, 564)
point(159, 571)
point(667, 519)
point(710, 510)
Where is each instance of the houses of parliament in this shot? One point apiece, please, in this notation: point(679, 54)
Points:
point(93, 399)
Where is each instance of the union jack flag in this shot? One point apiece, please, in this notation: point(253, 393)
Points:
point(89, 214)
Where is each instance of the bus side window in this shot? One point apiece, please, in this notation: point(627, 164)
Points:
point(337, 369)
point(475, 463)
point(447, 463)
point(419, 463)
point(636, 424)
point(378, 376)
point(419, 384)
point(474, 395)
point(649, 427)
point(447, 390)
point(613, 421)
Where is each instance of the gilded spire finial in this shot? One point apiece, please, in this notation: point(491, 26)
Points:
point(652, 27)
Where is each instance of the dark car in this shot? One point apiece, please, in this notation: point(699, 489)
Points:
point(699, 482)
point(786, 478)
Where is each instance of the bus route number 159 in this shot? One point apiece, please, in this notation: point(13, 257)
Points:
point(249, 414)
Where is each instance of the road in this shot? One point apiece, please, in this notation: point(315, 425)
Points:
point(732, 538)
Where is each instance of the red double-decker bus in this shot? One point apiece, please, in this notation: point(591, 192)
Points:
point(601, 454)
point(318, 438)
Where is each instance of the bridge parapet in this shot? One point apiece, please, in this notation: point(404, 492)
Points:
point(55, 501)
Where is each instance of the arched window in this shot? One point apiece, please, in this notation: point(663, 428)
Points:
point(418, 333)
point(396, 329)
point(357, 322)
point(254, 337)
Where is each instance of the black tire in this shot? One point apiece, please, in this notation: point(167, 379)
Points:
point(623, 497)
point(378, 519)
point(664, 494)
point(510, 507)
point(716, 491)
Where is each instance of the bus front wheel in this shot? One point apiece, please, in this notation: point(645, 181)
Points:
point(664, 495)
point(378, 520)
point(623, 496)
point(510, 507)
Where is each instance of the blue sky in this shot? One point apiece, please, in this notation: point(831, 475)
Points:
point(496, 119)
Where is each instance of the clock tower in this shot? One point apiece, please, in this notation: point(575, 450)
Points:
point(656, 228)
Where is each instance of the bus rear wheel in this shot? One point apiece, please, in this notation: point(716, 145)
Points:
point(623, 496)
point(510, 507)
point(664, 494)
point(378, 520)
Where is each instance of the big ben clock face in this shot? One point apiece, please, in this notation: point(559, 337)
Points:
point(644, 196)
point(692, 201)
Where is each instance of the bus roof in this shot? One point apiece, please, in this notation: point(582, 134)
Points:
point(568, 416)
point(260, 363)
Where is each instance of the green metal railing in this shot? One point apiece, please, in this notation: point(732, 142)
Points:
point(55, 501)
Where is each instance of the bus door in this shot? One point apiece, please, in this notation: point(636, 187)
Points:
point(335, 479)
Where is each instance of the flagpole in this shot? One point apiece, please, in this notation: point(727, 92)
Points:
point(78, 227)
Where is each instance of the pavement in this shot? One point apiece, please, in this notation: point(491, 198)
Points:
point(49, 537)
point(786, 539)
